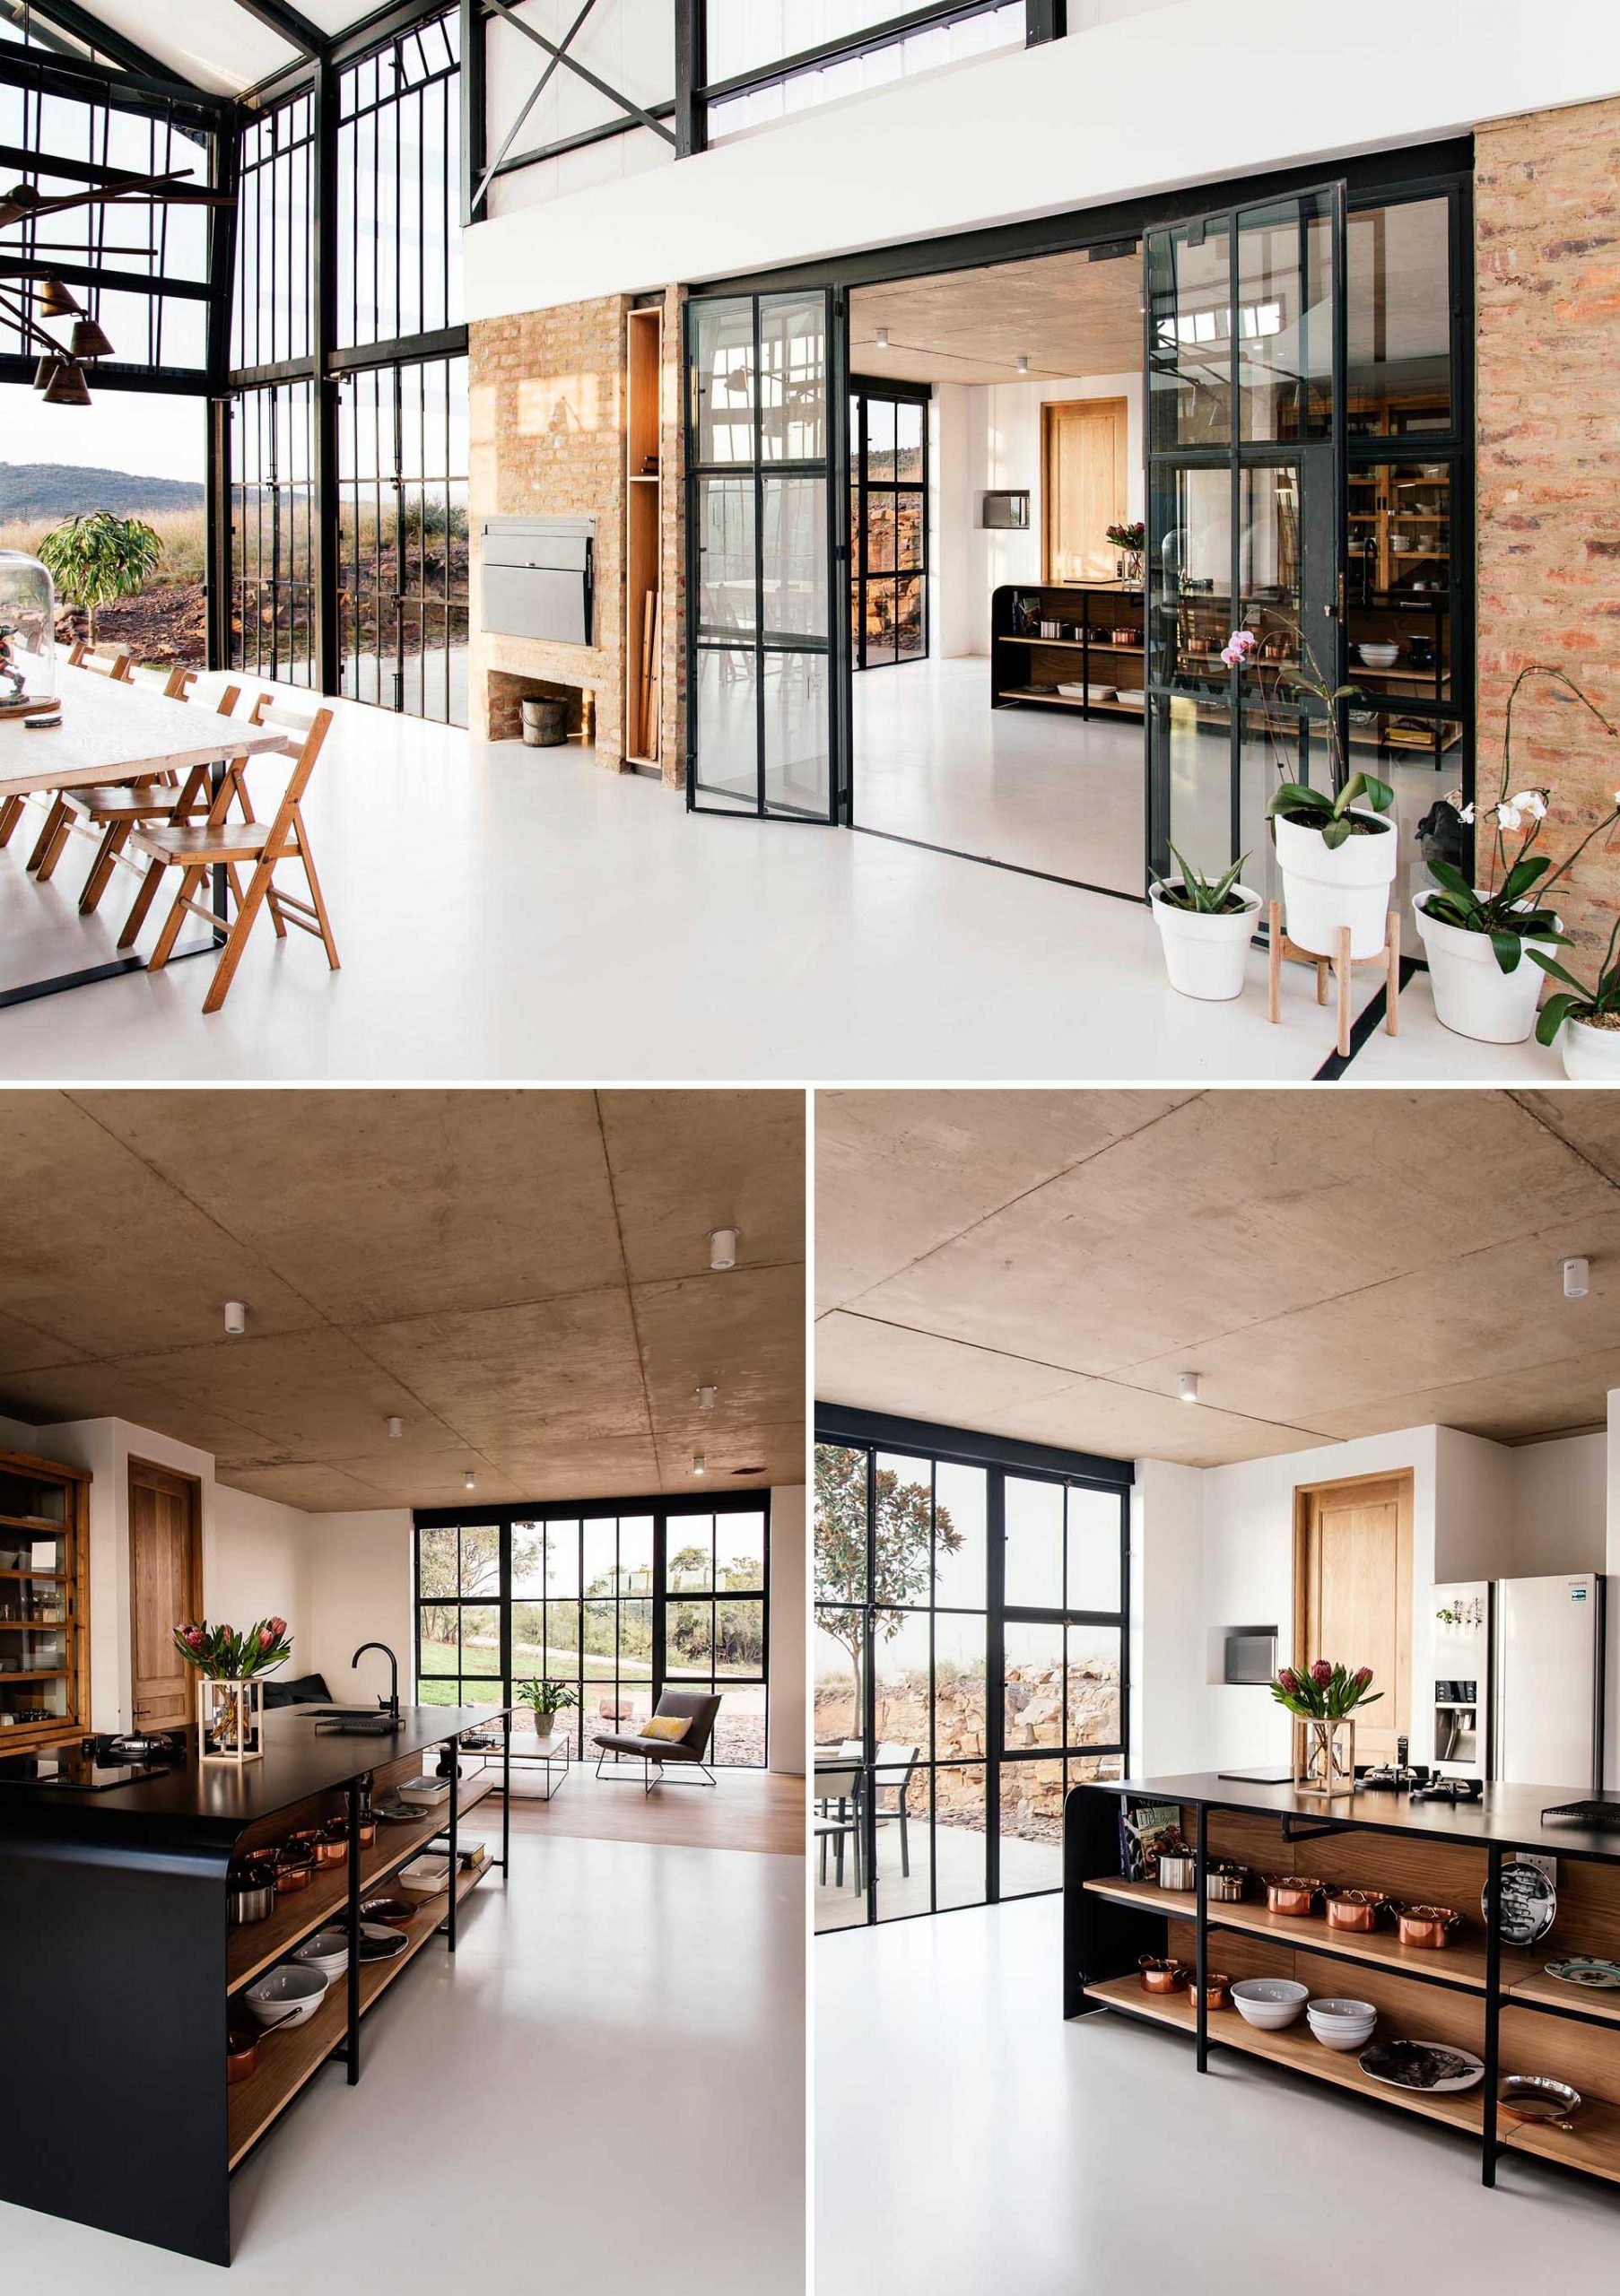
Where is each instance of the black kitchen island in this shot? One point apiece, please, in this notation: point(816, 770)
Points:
point(121, 1971)
point(1494, 1999)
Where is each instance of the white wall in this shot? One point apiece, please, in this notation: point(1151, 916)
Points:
point(1611, 1735)
point(1167, 1619)
point(789, 1626)
point(1053, 128)
point(1559, 1504)
point(360, 1580)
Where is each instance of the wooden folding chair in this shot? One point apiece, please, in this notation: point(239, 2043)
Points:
point(117, 811)
point(48, 845)
point(106, 661)
point(197, 846)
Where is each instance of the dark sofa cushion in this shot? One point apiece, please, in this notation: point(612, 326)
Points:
point(304, 1690)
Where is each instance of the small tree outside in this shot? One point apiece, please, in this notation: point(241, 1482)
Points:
point(98, 558)
point(903, 1549)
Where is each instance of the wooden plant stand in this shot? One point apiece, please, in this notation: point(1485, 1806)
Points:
point(1342, 964)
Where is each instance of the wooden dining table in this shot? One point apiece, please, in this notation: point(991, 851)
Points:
point(113, 732)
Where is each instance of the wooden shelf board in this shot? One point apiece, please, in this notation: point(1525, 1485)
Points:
point(34, 1674)
point(1459, 1965)
point(1528, 1986)
point(1593, 2144)
point(58, 1576)
point(32, 1523)
point(1065, 701)
point(254, 1946)
point(288, 2060)
point(644, 477)
point(1295, 2048)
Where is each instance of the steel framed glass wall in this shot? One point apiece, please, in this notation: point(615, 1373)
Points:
point(619, 1599)
point(888, 522)
point(272, 531)
point(971, 1641)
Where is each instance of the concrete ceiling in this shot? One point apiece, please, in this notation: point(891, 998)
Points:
point(1065, 314)
point(523, 1277)
point(1331, 1263)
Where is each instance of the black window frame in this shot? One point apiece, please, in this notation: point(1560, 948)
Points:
point(932, 1445)
point(863, 390)
point(665, 1510)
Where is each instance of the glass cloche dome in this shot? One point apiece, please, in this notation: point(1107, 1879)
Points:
point(27, 635)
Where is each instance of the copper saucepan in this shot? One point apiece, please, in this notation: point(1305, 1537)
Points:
point(1161, 1976)
point(1356, 1909)
point(1218, 1990)
point(1295, 1893)
point(1427, 1925)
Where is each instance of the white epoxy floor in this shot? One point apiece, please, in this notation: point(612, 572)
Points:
point(601, 2095)
point(514, 914)
point(968, 2139)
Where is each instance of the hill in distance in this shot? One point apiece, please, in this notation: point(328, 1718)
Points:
point(66, 490)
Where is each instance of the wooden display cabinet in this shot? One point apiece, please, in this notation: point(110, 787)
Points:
point(1085, 648)
point(44, 1602)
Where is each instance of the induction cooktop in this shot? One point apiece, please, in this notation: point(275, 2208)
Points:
point(76, 1773)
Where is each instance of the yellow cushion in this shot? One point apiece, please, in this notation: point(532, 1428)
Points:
point(666, 1726)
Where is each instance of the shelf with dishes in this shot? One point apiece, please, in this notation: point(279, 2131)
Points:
point(1044, 639)
point(284, 2058)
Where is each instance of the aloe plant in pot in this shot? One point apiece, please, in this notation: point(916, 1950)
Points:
point(1475, 937)
point(1205, 926)
point(1584, 1022)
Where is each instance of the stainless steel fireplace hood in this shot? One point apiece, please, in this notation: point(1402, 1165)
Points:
point(538, 578)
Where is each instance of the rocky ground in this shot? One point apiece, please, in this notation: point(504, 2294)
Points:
point(164, 626)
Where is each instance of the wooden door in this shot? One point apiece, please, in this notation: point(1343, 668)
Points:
point(1082, 464)
point(1352, 1594)
point(165, 1588)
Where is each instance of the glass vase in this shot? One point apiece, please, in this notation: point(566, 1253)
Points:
point(230, 1719)
point(1324, 1756)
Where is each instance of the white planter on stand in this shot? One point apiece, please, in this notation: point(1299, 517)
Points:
point(1590, 1056)
point(1327, 887)
point(1207, 957)
point(1473, 996)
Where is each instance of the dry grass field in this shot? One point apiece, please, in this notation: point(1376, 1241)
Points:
point(182, 533)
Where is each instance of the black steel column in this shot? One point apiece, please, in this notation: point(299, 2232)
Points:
point(692, 75)
point(506, 1789)
point(475, 102)
point(455, 1801)
point(1492, 2032)
point(1201, 1933)
point(324, 460)
point(352, 2057)
point(225, 176)
point(1044, 19)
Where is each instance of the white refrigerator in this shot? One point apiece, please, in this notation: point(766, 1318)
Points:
point(1546, 1702)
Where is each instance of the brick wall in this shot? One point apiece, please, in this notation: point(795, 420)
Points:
point(548, 439)
point(1548, 208)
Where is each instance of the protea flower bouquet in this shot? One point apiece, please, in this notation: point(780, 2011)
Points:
point(1323, 1697)
point(230, 1691)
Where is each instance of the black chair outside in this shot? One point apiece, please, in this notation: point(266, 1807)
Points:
point(700, 1707)
point(836, 1818)
point(891, 1759)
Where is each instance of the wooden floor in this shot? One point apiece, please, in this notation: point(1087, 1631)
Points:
point(749, 1809)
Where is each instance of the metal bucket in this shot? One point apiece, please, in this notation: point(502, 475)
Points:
point(544, 721)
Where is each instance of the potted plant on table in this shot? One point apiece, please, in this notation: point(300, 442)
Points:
point(1322, 1697)
point(546, 1701)
point(1584, 1022)
point(231, 1668)
point(1475, 939)
point(1205, 924)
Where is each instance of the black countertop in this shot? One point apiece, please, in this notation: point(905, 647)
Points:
point(199, 1807)
point(1510, 1815)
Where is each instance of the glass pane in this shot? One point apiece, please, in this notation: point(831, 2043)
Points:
point(910, 632)
point(880, 414)
point(878, 621)
point(960, 1836)
point(436, 1563)
point(909, 528)
point(529, 1560)
point(729, 732)
point(480, 1560)
point(1270, 562)
point(909, 420)
point(739, 1543)
point(1189, 578)
point(1190, 361)
point(561, 1559)
point(1034, 1544)
point(1399, 580)
point(481, 1639)
point(722, 381)
point(439, 1644)
point(840, 1523)
point(793, 379)
point(1193, 736)
point(798, 736)
point(726, 600)
point(690, 1566)
point(635, 1554)
point(880, 533)
point(901, 1797)
point(598, 1656)
point(1284, 329)
point(901, 1563)
point(960, 1686)
point(839, 1645)
point(739, 1729)
point(528, 1641)
point(635, 1642)
point(900, 1658)
point(689, 1634)
point(600, 1536)
point(1094, 1527)
point(561, 1653)
point(739, 1638)
point(1032, 1827)
point(960, 1536)
point(1398, 293)
point(1032, 1686)
point(795, 558)
point(1092, 1686)
point(835, 1808)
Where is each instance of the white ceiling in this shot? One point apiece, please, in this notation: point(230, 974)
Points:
point(214, 44)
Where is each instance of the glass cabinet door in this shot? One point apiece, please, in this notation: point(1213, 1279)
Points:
point(41, 1618)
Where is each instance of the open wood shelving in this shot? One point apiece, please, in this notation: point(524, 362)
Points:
point(643, 537)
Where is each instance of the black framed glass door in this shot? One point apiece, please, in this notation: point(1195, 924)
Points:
point(762, 555)
point(1245, 350)
point(888, 523)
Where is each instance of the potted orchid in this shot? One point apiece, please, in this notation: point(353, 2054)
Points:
point(1322, 1697)
point(1584, 1022)
point(1475, 939)
point(229, 1693)
point(1205, 927)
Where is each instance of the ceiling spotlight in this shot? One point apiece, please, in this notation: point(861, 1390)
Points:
point(236, 1318)
point(1187, 1387)
point(882, 338)
point(469, 1479)
point(699, 1463)
point(56, 301)
point(395, 1425)
point(16, 202)
point(67, 387)
point(1577, 1276)
point(722, 1249)
point(706, 1396)
point(1023, 362)
point(87, 341)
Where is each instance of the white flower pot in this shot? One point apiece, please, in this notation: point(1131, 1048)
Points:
point(1473, 996)
point(1207, 956)
point(1327, 887)
point(1590, 1056)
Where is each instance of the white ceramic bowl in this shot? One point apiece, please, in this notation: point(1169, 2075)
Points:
point(290, 1995)
point(1342, 2025)
point(327, 1950)
point(1378, 657)
point(1269, 2003)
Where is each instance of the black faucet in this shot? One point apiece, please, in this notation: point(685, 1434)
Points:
point(393, 1676)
